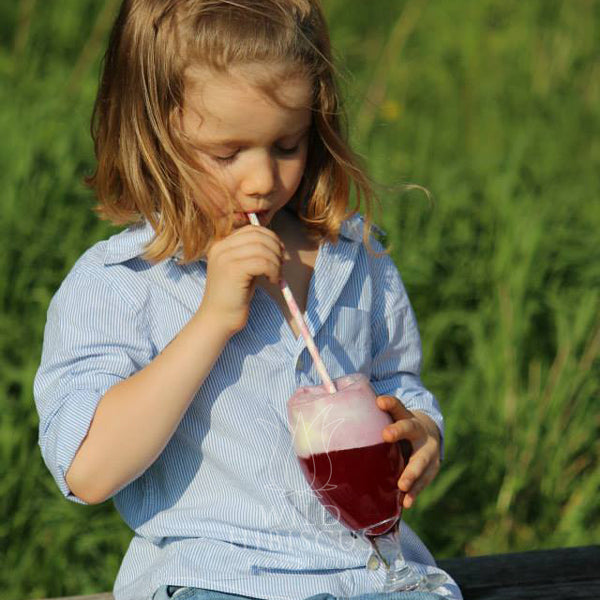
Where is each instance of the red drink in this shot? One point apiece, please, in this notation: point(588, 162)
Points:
point(358, 486)
point(339, 444)
point(338, 441)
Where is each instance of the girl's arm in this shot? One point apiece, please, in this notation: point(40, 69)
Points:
point(396, 366)
point(136, 418)
point(396, 347)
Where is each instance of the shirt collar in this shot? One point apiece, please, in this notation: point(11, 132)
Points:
point(128, 244)
point(132, 242)
point(352, 228)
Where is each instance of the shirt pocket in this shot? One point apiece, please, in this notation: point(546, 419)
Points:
point(346, 341)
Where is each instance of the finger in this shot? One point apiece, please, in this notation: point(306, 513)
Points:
point(249, 239)
point(408, 500)
point(239, 252)
point(255, 266)
point(417, 466)
point(244, 263)
point(394, 407)
point(422, 466)
point(406, 429)
point(253, 231)
point(420, 485)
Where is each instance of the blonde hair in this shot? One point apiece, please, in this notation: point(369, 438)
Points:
point(145, 170)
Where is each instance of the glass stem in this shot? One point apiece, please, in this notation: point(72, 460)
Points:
point(400, 576)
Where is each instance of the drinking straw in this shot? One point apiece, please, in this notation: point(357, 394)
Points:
point(301, 324)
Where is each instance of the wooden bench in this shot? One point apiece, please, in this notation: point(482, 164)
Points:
point(561, 574)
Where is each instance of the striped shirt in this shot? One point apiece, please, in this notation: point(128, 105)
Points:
point(226, 506)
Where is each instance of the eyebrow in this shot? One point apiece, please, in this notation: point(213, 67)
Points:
point(241, 142)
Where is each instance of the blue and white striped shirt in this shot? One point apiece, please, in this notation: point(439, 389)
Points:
point(225, 506)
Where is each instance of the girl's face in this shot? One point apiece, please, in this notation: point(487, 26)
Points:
point(252, 144)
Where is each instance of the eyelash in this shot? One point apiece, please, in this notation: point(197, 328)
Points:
point(289, 151)
point(225, 160)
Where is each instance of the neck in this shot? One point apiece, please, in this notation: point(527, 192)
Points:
point(292, 231)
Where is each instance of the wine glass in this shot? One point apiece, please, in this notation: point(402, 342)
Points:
point(338, 441)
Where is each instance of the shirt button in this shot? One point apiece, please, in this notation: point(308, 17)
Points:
point(373, 563)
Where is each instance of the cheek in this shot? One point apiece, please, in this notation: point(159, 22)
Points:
point(291, 173)
point(216, 187)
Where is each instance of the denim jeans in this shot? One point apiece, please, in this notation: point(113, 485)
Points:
point(188, 593)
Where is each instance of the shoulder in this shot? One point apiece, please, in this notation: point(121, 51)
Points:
point(113, 268)
point(353, 229)
point(373, 252)
point(374, 261)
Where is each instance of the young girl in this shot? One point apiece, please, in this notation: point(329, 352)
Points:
point(169, 353)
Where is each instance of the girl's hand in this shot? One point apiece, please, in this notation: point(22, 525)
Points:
point(233, 264)
point(424, 436)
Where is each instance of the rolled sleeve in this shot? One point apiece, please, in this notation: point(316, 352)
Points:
point(93, 340)
point(396, 344)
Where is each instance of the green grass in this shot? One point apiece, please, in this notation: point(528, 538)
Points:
point(494, 107)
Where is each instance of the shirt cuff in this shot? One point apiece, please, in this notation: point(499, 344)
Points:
point(65, 433)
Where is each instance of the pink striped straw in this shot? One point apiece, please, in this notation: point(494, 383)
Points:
point(301, 324)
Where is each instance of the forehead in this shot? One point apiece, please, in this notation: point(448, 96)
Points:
point(247, 97)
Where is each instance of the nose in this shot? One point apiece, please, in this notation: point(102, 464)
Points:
point(259, 175)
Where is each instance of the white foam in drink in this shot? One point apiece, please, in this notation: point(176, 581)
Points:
point(324, 422)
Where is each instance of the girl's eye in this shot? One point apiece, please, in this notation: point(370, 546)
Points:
point(288, 151)
point(229, 158)
point(225, 159)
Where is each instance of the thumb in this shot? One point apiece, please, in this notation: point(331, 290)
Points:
point(394, 407)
